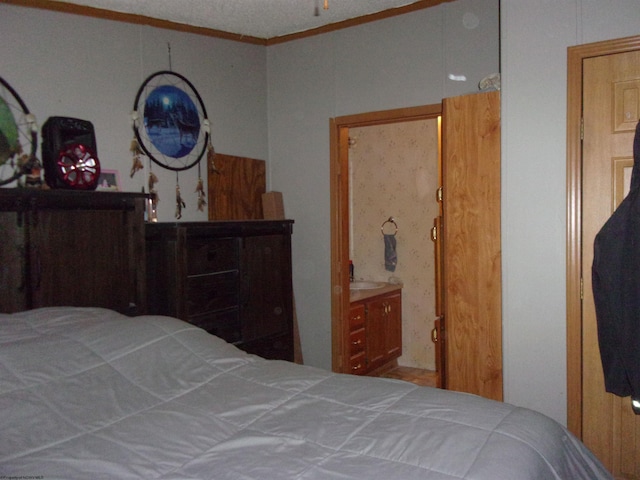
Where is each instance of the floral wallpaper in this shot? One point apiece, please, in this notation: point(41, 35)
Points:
point(394, 173)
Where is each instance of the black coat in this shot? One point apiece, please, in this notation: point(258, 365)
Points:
point(616, 289)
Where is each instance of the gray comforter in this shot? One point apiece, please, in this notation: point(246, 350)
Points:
point(90, 394)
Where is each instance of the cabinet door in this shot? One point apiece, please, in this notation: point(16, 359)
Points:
point(13, 274)
point(472, 258)
point(384, 330)
point(86, 258)
point(393, 327)
point(376, 332)
point(266, 298)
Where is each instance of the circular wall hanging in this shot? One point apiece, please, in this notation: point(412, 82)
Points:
point(170, 117)
point(18, 133)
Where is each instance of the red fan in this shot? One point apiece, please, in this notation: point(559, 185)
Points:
point(78, 167)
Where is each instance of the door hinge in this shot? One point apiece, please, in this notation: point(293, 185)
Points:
point(581, 128)
point(439, 194)
point(581, 288)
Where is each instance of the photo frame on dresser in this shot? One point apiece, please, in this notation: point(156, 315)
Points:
point(109, 181)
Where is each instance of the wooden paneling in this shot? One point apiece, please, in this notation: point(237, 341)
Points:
point(472, 254)
point(235, 192)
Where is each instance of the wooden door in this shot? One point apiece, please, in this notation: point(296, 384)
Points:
point(471, 236)
point(611, 109)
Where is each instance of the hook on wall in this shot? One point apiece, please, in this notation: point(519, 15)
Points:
point(392, 221)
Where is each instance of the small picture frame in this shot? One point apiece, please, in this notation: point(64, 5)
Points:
point(109, 181)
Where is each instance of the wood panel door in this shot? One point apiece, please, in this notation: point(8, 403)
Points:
point(611, 109)
point(471, 239)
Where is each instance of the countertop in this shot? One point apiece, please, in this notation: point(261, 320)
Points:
point(358, 295)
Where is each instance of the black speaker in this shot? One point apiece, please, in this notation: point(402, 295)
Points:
point(69, 154)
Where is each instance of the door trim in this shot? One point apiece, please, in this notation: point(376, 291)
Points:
point(575, 57)
point(339, 205)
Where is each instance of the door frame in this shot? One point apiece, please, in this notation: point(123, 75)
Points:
point(339, 205)
point(575, 57)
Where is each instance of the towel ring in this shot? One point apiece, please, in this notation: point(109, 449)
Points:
point(393, 222)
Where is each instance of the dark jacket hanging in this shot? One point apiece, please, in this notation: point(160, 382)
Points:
point(616, 289)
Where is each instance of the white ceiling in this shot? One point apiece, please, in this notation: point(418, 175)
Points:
point(256, 18)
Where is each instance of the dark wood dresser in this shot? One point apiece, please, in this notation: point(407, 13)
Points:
point(73, 248)
point(232, 278)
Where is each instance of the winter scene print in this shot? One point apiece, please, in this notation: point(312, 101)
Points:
point(172, 121)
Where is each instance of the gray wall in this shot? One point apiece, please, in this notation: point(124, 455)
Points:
point(75, 66)
point(535, 37)
point(398, 62)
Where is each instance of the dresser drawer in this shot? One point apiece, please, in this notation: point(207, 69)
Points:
point(358, 363)
point(211, 255)
point(356, 317)
point(279, 347)
point(357, 341)
point(208, 293)
point(225, 324)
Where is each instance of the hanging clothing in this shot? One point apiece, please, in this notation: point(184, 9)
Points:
point(616, 289)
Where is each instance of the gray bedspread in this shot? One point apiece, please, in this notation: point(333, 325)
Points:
point(91, 394)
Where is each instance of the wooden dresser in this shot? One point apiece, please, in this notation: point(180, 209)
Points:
point(232, 278)
point(76, 248)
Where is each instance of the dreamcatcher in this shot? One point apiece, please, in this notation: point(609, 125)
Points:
point(171, 128)
point(18, 139)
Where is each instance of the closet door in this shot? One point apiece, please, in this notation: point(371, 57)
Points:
point(471, 236)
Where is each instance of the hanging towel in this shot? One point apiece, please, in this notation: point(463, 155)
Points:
point(390, 254)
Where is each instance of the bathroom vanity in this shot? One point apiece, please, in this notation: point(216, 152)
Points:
point(375, 328)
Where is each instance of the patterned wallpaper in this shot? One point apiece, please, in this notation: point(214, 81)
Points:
point(394, 173)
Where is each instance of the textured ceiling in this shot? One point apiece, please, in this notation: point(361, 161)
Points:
point(256, 18)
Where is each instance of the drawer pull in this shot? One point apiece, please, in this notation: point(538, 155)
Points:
point(356, 367)
point(357, 342)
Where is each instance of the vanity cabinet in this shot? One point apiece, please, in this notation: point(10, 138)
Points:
point(375, 325)
point(231, 278)
point(73, 248)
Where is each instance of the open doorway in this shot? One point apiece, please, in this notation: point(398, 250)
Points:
point(357, 127)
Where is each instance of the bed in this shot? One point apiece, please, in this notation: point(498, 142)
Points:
point(87, 393)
